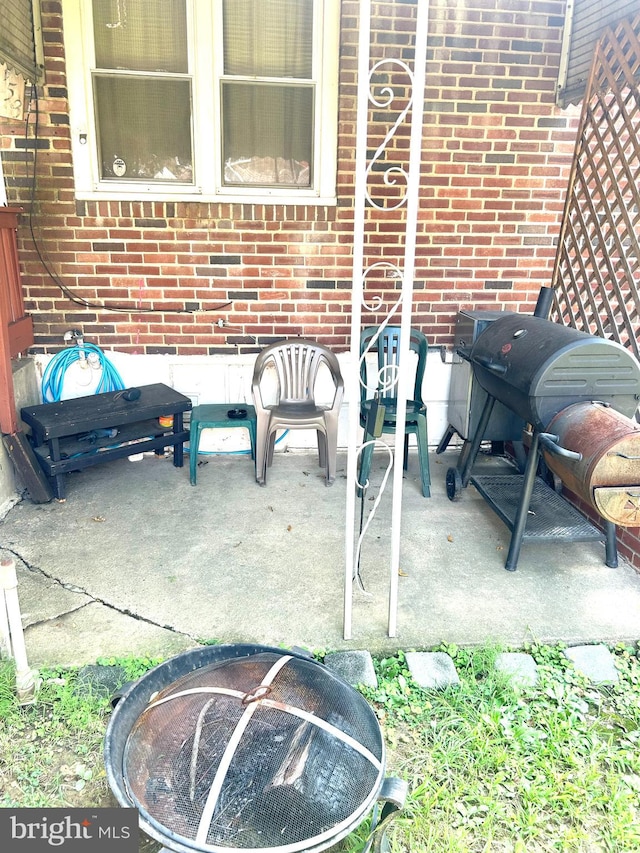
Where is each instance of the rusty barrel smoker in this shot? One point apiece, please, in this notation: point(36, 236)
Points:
point(607, 474)
point(577, 393)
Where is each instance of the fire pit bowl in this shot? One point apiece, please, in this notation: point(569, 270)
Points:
point(245, 747)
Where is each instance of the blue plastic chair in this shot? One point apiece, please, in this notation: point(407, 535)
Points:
point(387, 347)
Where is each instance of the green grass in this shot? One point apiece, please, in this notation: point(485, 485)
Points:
point(495, 768)
point(491, 766)
point(51, 751)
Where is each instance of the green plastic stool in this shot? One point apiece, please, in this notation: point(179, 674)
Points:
point(216, 416)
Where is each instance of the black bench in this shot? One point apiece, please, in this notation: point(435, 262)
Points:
point(73, 434)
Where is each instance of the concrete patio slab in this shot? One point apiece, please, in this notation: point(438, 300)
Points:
point(137, 560)
point(94, 632)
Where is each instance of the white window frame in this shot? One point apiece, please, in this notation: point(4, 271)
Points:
point(204, 29)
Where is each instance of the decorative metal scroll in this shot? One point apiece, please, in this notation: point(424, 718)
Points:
point(385, 98)
point(376, 304)
point(596, 278)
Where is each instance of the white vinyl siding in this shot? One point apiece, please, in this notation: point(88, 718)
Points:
point(21, 38)
point(585, 21)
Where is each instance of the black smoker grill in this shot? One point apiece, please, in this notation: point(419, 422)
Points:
point(242, 747)
point(577, 394)
point(466, 397)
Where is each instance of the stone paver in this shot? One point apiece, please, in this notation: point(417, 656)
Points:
point(432, 670)
point(95, 679)
point(436, 670)
point(520, 666)
point(355, 667)
point(595, 662)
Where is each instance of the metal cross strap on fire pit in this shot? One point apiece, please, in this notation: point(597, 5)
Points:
point(576, 394)
point(243, 747)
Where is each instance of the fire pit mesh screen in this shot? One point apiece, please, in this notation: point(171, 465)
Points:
point(266, 752)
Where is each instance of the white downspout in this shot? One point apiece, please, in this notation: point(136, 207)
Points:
point(13, 635)
point(3, 189)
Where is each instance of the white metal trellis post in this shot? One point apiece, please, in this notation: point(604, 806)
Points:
point(412, 202)
point(352, 384)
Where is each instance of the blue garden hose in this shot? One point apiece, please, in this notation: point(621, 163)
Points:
point(53, 377)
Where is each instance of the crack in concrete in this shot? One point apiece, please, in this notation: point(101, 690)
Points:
point(69, 612)
point(77, 590)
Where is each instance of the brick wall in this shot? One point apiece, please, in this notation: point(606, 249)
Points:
point(496, 161)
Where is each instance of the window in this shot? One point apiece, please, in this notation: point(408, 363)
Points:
point(216, 99)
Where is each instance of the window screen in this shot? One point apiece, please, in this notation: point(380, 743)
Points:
point(144, 129)
point(143, 122)
point(268, 38)
point(141, 35)
point(267, 134)
point(268, 122)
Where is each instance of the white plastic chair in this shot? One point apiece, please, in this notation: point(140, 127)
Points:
point(288, 372)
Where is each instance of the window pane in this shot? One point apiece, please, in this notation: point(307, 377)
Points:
point(144, 129)
point(268, 38)
point(141, 35)
point(268, 134)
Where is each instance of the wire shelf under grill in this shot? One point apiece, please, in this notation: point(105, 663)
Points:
point(550, 516)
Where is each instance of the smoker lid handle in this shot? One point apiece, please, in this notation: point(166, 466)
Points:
point(489, 364)
point(549, 442)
